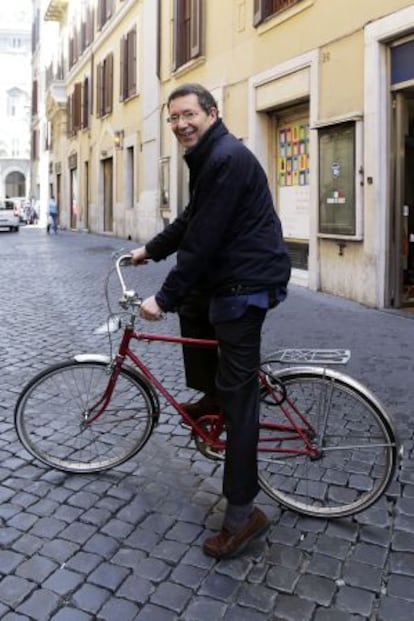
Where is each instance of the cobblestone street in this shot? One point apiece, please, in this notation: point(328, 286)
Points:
point(126, 544)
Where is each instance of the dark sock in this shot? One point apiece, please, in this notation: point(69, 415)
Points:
point(237, 516)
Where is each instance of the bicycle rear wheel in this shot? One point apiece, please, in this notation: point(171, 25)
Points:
point(354, 435)
point(50, 417)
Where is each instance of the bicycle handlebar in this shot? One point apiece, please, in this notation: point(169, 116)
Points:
point(129, 296)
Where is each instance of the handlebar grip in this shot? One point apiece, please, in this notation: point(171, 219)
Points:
point(125, 260)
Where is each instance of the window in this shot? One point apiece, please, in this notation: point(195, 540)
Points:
point(105, 10)
point(104, 87)
point(35, 145)
point(187, 31)
point(128, 69)
point(266, 8)
point(86, 33)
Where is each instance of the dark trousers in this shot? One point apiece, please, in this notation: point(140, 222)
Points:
point(234, 370)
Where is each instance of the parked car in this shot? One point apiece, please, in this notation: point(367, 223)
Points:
point(8, 217)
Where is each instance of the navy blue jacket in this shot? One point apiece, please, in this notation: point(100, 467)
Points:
point(229, 234)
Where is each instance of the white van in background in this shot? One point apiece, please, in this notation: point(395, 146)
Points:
point(8, 218)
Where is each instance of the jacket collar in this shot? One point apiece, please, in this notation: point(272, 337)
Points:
point(195, 156)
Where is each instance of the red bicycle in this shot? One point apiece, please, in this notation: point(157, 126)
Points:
point(327, 446)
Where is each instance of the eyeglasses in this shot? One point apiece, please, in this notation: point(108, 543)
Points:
point(188, 116)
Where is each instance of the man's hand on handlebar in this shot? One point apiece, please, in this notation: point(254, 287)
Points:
point(139, 255)
point(150, 310)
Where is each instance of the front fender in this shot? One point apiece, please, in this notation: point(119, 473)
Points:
point(141, 379)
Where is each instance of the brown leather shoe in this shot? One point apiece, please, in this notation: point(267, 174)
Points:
point(226, 544)
point(206, 405)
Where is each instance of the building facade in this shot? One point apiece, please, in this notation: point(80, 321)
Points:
point(15, 96)
point(321, 91)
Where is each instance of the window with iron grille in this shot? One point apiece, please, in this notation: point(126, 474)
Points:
point(105, 10)
point(128, 68)
point(104, 86)
point(188, 21)
point(267, 8)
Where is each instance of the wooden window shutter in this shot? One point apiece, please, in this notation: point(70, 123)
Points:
point(195, 28)
point(77, 106)
point(257, 12)
point(99, 90)
point(132, 62)
point(122, 68)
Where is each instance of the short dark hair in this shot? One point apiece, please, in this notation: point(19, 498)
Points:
point(205, 98)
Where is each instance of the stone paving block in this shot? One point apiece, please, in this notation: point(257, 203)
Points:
point(40, 605)
point(8, 536)
point(362, 576)
point(322, 565)
point(48, 528)
point(370, 554)
point(370, 533)
point(403, 542)
point(332, 546)
point(98, 517)
point(342, 529)
point(292, 608)
point(256, 597)
point(401, 587)
point(63, 581)
point(316, 588)
point(282, 578)
point(284, 555)
point(359, 601)
point(71, 614)
point(90, 598)
point(204, 608)
point(59, 550)
point(218, 586)
point(154, 570)
point(172, 596)
point(171, 551)
point(329, 614)
point(117, 608)
point(37, 568)
point(239, 613)
point(102, 545)
point(69, 514)
point(28, 544)
point(9, 561)
point(155, 613)
point(184, 532)
point(188, 575)
point(14, 590)
point(393, 609)
point(137, 589)
point(285, 535)
point(402, 563)
point(84, 562)
point(108, 576)
point(78, 532)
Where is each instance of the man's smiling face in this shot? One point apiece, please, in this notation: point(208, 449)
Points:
point(188, 120)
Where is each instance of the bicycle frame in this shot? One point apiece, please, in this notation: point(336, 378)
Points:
point(209, 434)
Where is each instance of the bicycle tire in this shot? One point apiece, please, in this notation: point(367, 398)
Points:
point(355, 434)
point(49, 417)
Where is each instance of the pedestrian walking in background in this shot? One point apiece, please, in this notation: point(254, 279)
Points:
point(52, 214)
point(232, 266)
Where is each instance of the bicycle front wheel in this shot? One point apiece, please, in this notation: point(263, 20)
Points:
point(354, 437)
point(50, 417)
